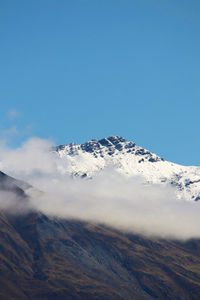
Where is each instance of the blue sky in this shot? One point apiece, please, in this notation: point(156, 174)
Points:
point(73, 70)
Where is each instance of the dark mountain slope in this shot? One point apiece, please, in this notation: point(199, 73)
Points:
point(49, 258)
point(11, 184)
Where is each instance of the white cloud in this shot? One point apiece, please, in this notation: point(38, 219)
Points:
point(109, 198)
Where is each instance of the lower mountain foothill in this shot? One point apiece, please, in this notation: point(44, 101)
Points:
point(49, 258)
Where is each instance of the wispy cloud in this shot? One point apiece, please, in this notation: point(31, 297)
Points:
point(8, 134)
point(13, 114)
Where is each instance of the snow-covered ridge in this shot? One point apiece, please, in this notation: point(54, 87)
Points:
point(127, 158)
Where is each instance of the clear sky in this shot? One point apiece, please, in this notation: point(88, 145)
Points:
point(73, 70)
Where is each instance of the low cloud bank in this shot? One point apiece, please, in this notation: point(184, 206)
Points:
point(110, 198)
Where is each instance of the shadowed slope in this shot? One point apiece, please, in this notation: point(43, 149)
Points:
point(50, 258)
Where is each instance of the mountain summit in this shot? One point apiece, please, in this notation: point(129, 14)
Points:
point(111, 146)
point(90, 158)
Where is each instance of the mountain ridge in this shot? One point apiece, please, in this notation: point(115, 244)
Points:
point(87, 159)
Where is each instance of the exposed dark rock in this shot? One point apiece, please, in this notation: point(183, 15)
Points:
point(105, 142)
point(130, 145)
point(189, 182)
point(116, 139)
point(152, 159)
point(141, 160)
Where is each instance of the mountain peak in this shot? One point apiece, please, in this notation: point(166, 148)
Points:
point(87, 159)
point(108, 145)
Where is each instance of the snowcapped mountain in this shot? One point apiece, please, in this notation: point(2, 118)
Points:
point(88, 159)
